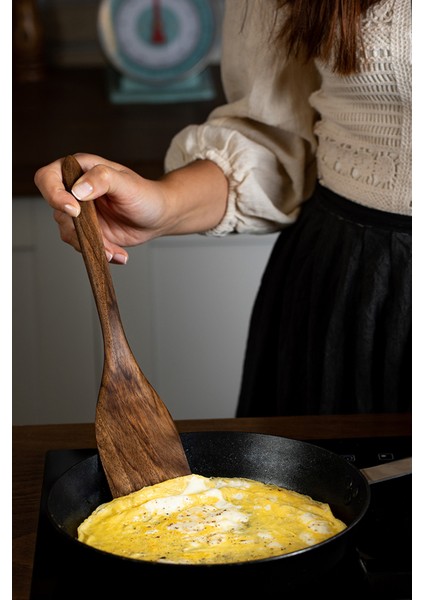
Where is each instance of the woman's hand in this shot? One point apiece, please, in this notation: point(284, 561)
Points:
point(125, 218)
point(131, 209)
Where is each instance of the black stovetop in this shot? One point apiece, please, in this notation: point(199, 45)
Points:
point(378, 567)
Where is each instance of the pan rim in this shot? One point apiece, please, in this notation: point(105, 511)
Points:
point(161, 564)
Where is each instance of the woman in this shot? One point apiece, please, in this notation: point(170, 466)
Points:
point(315, 141)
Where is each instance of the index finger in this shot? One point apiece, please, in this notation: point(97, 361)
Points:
point(49, 181)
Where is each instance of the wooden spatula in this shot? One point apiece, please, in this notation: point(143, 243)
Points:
point(137, 440)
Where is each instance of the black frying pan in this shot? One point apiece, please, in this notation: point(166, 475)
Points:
point(292, 464)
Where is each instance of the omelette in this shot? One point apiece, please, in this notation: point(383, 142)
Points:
point(208, 520)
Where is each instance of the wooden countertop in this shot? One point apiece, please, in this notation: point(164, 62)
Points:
point(30, 444)
point(71, 112)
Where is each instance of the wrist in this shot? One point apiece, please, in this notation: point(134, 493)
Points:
point(195, 198)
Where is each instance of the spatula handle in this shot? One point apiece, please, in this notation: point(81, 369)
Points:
point(92, 249)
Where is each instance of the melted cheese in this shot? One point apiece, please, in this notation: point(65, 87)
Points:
point(195, 519)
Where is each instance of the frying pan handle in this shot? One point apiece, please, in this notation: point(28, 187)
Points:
point(390, 470)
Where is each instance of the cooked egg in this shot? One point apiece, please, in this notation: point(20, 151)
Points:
point(200, 520)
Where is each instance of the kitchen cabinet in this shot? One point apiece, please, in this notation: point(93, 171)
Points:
point(185, 304)
point(185, 301)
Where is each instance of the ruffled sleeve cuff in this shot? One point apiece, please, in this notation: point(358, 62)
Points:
point(255, 198)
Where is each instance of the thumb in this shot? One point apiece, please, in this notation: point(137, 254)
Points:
point(99, 181)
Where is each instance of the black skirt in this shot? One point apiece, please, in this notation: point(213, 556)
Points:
point(330, 331)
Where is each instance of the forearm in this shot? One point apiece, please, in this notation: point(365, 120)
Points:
point(196, 198)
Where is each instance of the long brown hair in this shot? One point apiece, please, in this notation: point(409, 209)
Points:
point(325, 29)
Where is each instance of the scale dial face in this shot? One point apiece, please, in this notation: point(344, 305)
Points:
point(157, 41)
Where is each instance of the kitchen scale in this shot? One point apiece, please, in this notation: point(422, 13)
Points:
point(158, 50)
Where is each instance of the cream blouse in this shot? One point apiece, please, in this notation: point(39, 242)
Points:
point(287, 123)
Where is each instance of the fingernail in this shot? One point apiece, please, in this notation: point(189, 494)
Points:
point(120, 258)
point(109, 255)
point(82, 190)
point(73, 211)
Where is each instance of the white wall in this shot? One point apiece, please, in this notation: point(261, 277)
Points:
point(185, 303)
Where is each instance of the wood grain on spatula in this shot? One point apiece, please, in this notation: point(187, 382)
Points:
point(136, 436)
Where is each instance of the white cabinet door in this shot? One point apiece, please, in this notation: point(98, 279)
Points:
point(203, 291)
point(55, 363)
